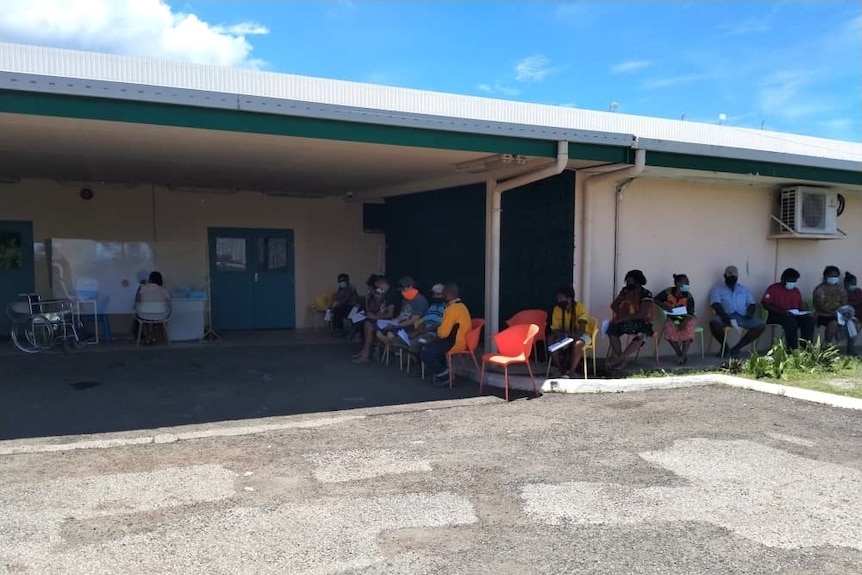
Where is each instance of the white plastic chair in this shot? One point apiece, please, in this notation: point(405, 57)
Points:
point(153, 313)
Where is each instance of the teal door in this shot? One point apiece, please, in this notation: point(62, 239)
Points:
point(252, 279)
point(16, 265)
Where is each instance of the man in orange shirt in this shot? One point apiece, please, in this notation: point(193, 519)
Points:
point(451, 336)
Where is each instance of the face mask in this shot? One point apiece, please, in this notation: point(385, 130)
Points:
point(438, 298)
point(380, 291)
point(410, 293)
point(342, 285)
point(685, 288)
point(631, 285)
point(833, 281)
point(563, 304)
point(790, 285)
point(852, 287)
point(730, 280)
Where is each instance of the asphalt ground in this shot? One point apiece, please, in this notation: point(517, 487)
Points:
point(706, 480)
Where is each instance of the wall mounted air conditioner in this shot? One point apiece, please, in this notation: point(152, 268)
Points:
point(809, 210)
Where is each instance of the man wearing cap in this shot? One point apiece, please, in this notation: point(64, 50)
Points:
point(734, 306)
point(414, 306)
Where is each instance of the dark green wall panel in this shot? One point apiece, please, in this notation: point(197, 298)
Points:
point(440, 236)
point(537, 243)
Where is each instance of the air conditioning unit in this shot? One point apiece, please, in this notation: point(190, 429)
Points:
point(809, 210)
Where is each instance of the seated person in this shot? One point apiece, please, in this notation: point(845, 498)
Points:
point(829, 295)
point(451, 336)
point(633, 309)
point(151, 291)
point(782, 297)
point(568, 319)
point(854, 300)
point(678, 329)
point(385, 306)
point(345, 298)
point(414, 306)
point(425, 329)
point(734, 306)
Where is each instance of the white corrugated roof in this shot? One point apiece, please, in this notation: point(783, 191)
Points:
point(654, 133)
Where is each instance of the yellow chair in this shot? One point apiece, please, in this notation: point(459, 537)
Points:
point(321, 305)
point(591, 330)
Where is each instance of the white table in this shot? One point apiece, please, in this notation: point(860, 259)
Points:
point(187, 319)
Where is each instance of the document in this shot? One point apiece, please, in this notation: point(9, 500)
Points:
point(680, 310)
point(798, 312)
point(404, 337)
point(356, 316)
point(384, 323)
point(558, 345)
point(327, 317)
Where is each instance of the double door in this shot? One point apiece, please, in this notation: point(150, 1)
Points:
point(252, 283)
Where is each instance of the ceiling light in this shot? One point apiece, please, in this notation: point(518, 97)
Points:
point(490, 162)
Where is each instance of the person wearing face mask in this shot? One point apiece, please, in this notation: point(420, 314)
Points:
point(386, 307)
point(829, 295)
point(345, 298)
point(633, 309)
point(783, 302)
point(854, 300)
point(734, 305)
point(414, 306)
point(679, 328)
point(568, 319)
point(426, 330)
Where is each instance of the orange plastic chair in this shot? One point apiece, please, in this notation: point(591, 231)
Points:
point(538, 317)
point(472, 345)
point(514, 346)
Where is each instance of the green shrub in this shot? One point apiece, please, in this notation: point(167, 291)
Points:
point(779, 362)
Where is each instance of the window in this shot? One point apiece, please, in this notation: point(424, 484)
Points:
point(272, 254)
point(230, 254)
point(10, 251)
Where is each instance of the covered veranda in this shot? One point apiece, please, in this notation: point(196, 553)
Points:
point(180, 155)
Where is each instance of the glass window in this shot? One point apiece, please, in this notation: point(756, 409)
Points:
point(10, 251)
point(272, 254)
point(230, 254)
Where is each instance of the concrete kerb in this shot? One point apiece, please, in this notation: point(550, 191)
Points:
point(218, 429)
point(670, 382)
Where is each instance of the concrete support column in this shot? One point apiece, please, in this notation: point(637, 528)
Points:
point(493, 211)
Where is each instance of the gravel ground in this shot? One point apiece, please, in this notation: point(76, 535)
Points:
point(700, 480)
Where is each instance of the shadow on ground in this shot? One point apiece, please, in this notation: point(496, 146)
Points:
point(84, 392)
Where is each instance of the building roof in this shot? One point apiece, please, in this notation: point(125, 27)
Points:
point(24, 67)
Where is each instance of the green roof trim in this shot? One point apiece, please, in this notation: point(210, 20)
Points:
point(89, 108)
point(132, 111)
point(750, 167)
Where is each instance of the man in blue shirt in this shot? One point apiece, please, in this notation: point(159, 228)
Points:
point(734, 306)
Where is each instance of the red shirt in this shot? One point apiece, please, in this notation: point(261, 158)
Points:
point(783, 298)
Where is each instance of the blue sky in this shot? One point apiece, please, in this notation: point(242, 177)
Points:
point(786, 66)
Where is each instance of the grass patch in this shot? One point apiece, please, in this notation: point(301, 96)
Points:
point(817, 367)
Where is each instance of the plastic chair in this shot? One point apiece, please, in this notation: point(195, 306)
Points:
point(473, 337)
point(153, 313)
point(656, 335)
point(514, 346)
point(591, 330)
point(729, 328)
point(538, 317)
point(321, 305)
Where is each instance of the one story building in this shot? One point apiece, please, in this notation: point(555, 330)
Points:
point(256, 189)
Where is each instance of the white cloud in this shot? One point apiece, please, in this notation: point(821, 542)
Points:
point(533, 69)
point(573, 12)
point(133, 27)
point(630, 66)
point(671, 81)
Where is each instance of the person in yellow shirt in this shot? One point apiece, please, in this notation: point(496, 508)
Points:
point(568, 320)
point(451, 336)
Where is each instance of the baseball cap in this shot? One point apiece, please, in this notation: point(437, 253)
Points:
point(731, 271)
point(406, 281)
point(437, 288)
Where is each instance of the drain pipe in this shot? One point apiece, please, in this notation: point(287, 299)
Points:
point(625, 171)
point(494, 197)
